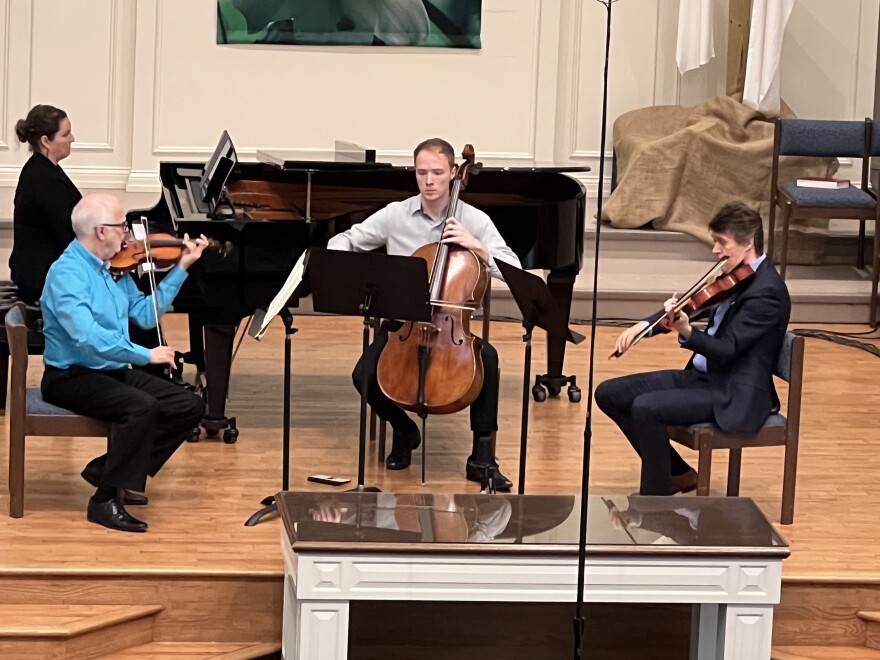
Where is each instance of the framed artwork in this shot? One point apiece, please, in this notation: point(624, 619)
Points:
point(437, 23)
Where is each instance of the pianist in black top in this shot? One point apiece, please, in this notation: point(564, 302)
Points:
point(44, 199)
point(401, 228)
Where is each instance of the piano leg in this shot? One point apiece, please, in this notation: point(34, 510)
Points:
point(196, 354)
point(218, 363)
point(561, 286)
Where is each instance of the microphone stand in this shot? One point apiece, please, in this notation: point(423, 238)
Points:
point(578, 621)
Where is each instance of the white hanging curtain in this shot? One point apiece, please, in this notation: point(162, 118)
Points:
point(696, 38)
point(761, 90)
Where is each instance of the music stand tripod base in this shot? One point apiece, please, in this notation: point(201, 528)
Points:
point(270, 506)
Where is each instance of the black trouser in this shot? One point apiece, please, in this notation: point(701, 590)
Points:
point(484, 410)
point(644, 405)
point(152, 417)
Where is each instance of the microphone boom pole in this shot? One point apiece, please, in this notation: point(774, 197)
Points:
point(588, 424)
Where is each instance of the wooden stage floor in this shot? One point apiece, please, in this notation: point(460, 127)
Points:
point(199, 502)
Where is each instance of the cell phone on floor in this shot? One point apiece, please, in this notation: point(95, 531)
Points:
point(328, 480)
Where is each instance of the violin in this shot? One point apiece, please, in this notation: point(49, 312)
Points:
point(164, 250)
point(435, 367)
point(714, 287)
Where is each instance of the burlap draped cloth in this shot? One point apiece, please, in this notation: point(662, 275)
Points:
point(676, 166)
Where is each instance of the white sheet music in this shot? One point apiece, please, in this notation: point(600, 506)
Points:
point(280, 300)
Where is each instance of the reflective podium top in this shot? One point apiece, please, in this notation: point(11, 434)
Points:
point(531, 524)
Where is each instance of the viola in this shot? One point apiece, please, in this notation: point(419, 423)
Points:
point(714, 287)
point(718, 290)
point(164, 250)
point(435, 368)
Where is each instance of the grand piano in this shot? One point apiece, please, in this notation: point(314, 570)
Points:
point(270, 212)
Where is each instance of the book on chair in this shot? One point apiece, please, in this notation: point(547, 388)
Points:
point(822, 182)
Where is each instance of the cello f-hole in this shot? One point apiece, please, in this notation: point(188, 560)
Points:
point(451, 321)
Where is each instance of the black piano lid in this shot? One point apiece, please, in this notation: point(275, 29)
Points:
point(314, 161)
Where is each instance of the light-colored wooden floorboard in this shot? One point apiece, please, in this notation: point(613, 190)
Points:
point(199, 502)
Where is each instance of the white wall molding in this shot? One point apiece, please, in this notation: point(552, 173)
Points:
point(82, 176)
point(114, 56)
point(5, 119)
point(532, 93)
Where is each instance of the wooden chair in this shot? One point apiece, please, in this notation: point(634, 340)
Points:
point(807, 137)
point(29, 415)
point(8, 297)
point(777, 430)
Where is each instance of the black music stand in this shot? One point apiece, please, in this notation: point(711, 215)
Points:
point(287, 297)
point(368, 284)
point(538, 309)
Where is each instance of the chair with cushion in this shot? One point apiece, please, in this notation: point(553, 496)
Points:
point(777, 430)
point(8, 297)
point(808, 137)
point(29, 415)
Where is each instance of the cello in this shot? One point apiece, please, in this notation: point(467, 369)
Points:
point(435, 367)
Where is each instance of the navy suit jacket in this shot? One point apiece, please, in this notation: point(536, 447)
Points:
point(741, 355)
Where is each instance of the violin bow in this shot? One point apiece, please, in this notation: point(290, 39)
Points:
point(682, 301)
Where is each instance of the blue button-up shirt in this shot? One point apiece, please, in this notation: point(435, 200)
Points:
point(720, 311)
point(86, 312)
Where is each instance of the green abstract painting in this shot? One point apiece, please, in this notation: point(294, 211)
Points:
point(439, 23)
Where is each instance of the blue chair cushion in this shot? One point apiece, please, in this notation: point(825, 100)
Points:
point(775, 419)
point(34, 404)
point(852, 197)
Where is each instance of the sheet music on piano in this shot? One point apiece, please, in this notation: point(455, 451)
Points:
point(262, 319)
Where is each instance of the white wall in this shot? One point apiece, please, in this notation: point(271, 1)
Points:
point(144, 80)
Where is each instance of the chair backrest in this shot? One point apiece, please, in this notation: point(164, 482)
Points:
point(16, 336)
point(790, 368)
point(820, 137)
point(875, 138)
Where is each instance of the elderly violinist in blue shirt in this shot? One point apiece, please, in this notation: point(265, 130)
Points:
point(86, 315)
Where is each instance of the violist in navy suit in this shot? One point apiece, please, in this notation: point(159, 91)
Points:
point(728, 381)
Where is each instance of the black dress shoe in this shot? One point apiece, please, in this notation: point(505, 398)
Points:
point(112, 514)
point(133, 498)
point(92, 474)
point(480, 472)
point(402, 445)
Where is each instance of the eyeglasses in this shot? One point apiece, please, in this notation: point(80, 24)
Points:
point(122, 225)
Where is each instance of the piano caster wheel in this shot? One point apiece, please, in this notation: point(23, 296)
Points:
point(539, 394)
point(195, 435)
point(574, 394)
point(230, 436)
point(212, 433)
point(553, 390)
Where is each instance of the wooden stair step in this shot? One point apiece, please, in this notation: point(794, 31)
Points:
point(872, 629)
point(72, 632)
point(823, 653)
point(197, 651)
